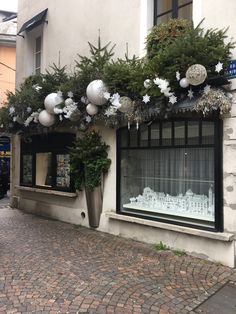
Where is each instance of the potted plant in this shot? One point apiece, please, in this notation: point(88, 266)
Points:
point(89, 162)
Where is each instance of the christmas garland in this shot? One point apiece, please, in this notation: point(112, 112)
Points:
point(189, 65)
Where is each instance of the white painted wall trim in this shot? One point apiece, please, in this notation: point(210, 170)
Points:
point(146, 23)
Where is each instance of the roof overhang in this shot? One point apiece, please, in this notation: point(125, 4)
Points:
point(33, 22)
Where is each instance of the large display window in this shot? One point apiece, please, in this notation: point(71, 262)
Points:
point(170, 171)
point(45, 161)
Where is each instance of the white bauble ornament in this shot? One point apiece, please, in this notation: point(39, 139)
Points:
point(46, 119)
point(184, 83)
point(51, 101)
point(147, 83)
point(68, 101)
point(126, 104)
point(196, 74)
point(95, 91)
point(92, 109)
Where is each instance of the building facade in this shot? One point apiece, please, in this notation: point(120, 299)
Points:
point(172, 181)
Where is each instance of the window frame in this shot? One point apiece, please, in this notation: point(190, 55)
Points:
point(61, 146)
point(37, 53)
point(174, 10)
point(218, 162)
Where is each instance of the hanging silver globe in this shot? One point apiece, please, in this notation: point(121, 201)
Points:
point(51, 101)
point(196, 74)
point(46, 119)
point(69, 101)
point(92, 109)
point(147, 83)
point(95, 92)
point(184, 83)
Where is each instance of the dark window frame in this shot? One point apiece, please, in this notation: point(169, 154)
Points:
point(174, 10)
point(55, 143)
point(218, 166)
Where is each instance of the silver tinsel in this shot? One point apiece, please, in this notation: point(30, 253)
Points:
point(215, 99)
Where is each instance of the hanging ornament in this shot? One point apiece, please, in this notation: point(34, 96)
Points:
point(219, 67)
point(126, 104)
point(75, 115)
point(84, 100)
point(46, 119)
point(196, 74)
point(184, 83)
point(92, 109)
point(51, 101)
point(68, 101)
point(147, 83)
point(95, 92)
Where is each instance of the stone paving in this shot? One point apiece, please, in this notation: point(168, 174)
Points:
point(48, 266)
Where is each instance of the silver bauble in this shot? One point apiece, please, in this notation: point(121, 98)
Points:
point(46, 119)
point(75, 116)
point(184, 83)
point(92, 109)
point(51, 101)
point(95, 91)
point(69, 101)
point(196, 74)
point(126, 104)
point(147, 83)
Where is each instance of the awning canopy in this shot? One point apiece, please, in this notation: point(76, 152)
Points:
point(34, 22)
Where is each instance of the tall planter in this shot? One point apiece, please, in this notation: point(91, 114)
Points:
point(94, 204)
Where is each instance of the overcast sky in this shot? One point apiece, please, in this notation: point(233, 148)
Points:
point(8, 5)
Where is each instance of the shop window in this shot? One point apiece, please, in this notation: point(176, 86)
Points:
point(45, 161)
point(171, 171)
point(166, 9)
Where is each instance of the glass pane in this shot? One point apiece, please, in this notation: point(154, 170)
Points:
point(164, 18)
point(175, 182)
point(155, 134)
point(193, 132)
point(185, 12)
point(143, 135)
point(27, 169)
point(179, 133)
point(63, 171)
point(207, 132)
point(163, 6)
point(38, 44)
point(124, 137)
point(37, 60)
point(166, 133)
point(133, 137)
point(44, 169)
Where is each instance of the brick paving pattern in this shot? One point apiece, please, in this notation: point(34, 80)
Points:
point(52, 267)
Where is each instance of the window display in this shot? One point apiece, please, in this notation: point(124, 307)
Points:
point(63, 170)
point(27, 169)
point(173, 178)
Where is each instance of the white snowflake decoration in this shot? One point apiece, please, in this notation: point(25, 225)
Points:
point(190, 93)
point(177, 76)
point(146, 99)
point(111, 111)
point(59, 93)
point(107, 95)
point(88, 119)
point(219, 67)
point(173, 99)
point(164, 86)
point(206, 89)
point(70, 94)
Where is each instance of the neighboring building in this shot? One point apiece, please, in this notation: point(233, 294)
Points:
point(140, 179)
point(8, 28)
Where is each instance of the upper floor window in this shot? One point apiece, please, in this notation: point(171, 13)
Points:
point(38, 48)
point(166, 9)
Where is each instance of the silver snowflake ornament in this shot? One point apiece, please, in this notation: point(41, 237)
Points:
point(219, 67)
point(146, 99)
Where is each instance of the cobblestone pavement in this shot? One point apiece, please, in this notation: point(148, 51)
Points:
point(51, 267)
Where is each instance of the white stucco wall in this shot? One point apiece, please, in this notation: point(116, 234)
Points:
point(72, 23)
